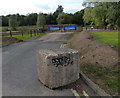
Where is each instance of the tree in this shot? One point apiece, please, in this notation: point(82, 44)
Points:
point(41, 21)
point(103, 13)
point(31, 19)
point(58, 11)
point(50, 19)
point(61, 18)
point(13, 23)
point(114, 14)
point(5, 20)
point(88, 15)
point(78, 17)
point(64, 18)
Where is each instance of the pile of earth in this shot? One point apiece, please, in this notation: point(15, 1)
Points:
point(10, 40)
point(93, 52)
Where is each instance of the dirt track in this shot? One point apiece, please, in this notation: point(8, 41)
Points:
point(93, 52)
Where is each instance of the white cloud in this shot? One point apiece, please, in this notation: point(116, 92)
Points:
point(36, 6)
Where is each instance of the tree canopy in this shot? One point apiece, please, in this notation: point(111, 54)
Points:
point(102, 14)
point(41, 19)
point(13, 23)
point(94, 13)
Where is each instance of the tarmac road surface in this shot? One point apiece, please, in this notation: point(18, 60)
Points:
point(19, 71)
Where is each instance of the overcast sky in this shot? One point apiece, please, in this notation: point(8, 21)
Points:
point(36, 6)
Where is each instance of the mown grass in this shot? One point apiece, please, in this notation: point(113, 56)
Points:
point(110, 38)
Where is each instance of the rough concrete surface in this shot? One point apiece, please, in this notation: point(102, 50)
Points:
point(58, 67)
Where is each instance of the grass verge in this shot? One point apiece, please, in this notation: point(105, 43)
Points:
point(110, 38)
point(106, 78)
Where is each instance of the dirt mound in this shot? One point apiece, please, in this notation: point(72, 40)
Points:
point(11, 40)
point(93, 52)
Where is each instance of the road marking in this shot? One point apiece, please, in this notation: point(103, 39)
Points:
point(75, 93)
point(85, 94)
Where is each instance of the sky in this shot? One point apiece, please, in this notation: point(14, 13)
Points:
point(24, 7)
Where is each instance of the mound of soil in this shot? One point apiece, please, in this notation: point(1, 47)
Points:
point(93, 52)
point(11, 40)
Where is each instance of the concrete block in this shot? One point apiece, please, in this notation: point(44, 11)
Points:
point(58, 67)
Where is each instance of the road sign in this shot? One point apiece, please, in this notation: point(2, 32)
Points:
point(53, 28)
point(69, 27)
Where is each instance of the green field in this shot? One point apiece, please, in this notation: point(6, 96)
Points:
point(110, 38)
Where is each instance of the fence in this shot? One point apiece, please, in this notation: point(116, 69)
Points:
point(62, 28)
point(30, 32)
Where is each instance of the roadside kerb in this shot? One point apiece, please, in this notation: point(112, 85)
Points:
point(94, 86)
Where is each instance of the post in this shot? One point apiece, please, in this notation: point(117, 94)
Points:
point(10, 33)
point(22, 34)
point(30, 33)
point(34, 32)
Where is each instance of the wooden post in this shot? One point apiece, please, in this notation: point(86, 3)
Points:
point(97, 27)
point(10, 33)
point(34, 32)
point(31, 33)
point(22, 34)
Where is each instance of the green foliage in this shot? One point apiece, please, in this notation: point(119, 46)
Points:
point(112, 82)
point(115, 71)
point(114, 14)
point(99, 13)
point(30, 19)
point(50, 19)
point(102, 14)
point(64, 18)
point(103, 76)
point(23, 29)
point(110, 38)
point(88, 15)
point(41, 21)
point(13, 23)
point(59, 10)
point(78, 18)
point(5, 21)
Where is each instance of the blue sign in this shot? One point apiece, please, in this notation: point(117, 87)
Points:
point(53, 28)
point(69, 27)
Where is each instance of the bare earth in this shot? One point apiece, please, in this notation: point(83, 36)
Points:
point(93, 52)
point(11, 39)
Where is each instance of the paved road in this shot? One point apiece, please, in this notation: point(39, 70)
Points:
point(19, 69)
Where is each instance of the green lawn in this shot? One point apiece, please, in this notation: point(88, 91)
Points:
point(110, 38)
